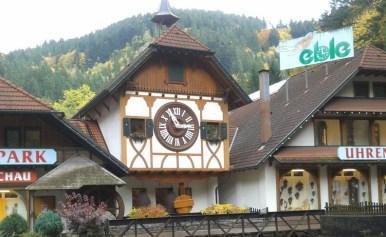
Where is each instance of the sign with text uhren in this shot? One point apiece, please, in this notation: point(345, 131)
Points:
point(316, 47)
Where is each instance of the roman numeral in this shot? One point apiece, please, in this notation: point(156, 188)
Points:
point(183, 140)
point(188, 119)
point(169, 140)
point(177, 142)
point(170, 113)
point(177, 111)
point(189, 135)
point(191, 127)
point(162, 125)
point(164, 118)
point(164, 133)
point(183, 113)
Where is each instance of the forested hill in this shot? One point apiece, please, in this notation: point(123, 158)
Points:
point(48, 70)
point(242, 44)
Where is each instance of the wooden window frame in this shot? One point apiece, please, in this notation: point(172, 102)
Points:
point(220, 136)
point(384, 87)
point(183, 82)
point(356, 83)
point(20, 136)
point(25, 139)
point(148, 128)
point(317, 132)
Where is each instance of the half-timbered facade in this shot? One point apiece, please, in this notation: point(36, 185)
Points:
point(166, 118)
point(327, 139)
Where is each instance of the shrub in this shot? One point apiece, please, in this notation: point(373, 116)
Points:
point(49, 224)
point(83, 216)
point(224, 209)
point(148, 212)
point(30, 234)
point(13, 225)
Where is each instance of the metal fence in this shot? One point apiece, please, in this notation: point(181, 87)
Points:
point(363, 208)
point(245, 224)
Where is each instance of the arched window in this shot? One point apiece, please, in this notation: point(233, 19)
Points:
point(322, 133)
point(375, 134)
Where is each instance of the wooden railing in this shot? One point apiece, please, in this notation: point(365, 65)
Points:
point(363, 208)
point(288, 223)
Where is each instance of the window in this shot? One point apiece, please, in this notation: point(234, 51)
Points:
point(356, 132)
point(322, 133)
point(361, 89)
point(176, 72)
point(137, 128)
point(31, 137)
point(140, 197)
point(375, 134)
point(165, 197)
point(213, 132)
point(379, 89)
point(12, 137)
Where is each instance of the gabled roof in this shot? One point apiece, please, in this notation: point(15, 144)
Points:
point(91, 129)
point(13, 98)
point(76, 173)
point(177, 40)
point(247, 150)
point(174, 37)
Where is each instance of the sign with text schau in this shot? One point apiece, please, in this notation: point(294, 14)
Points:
point(27, 156)
point(316, 47)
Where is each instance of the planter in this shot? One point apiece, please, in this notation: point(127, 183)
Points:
point(183, 204)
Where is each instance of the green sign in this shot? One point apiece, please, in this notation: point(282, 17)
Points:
point(316, 48)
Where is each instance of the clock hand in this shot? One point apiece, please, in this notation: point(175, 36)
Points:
point(174, 119)
point(184, 126)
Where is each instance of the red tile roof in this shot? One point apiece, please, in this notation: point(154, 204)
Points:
point(356, 105)
point(91, 129)
point(307, 154)
point(174, 37)
point(13, 98)
point(288, 117)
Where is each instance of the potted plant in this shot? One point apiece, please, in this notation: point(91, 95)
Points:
point(183, 204)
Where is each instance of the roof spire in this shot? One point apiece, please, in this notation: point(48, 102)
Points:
point(165, 16)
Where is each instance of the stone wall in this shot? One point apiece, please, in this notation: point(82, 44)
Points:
point(353, 225)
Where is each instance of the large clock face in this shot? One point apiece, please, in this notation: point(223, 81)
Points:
point(176, 126)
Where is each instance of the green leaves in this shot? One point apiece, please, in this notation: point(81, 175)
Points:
point(73, 100)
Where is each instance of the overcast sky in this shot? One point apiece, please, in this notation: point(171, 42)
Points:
point(27, 23)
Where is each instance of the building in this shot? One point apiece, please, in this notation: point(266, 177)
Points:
point(313, 142)
point(43, 156)
point(165, 117)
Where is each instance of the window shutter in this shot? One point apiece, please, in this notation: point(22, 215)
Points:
point(223, 131)
point(203, 130)
point(149, 128)
point(126, 127)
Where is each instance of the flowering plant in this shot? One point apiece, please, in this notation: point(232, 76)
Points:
point(84, 217)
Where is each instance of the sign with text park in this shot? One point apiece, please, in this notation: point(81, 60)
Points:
point(316, 47)
point(27, 157)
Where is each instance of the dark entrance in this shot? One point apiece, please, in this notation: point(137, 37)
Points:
point(353, 191)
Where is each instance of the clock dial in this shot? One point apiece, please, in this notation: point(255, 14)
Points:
point(176, 126)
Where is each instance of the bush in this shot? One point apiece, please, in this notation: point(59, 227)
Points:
point(49, 224)
point(13, 225)
point(224, 209)
point(30, 234)
point(148, 212)
point(83, 216)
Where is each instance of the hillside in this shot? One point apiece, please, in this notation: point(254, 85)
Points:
point(242, 44)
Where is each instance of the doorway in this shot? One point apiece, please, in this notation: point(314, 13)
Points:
point(11, 203)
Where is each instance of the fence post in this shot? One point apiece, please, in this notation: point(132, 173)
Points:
point(173, 234)
point(242, 227)
point(308, 222)
point(209, 227)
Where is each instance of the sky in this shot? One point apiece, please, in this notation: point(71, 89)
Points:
point(28, 23)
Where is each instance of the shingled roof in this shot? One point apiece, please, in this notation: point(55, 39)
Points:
point(176, 40)
point(174, 37)
point(91, 129)
point(13, 98)
point(247, 150)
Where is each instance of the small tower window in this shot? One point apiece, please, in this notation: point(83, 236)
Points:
point(176, 72)
point(322, 133)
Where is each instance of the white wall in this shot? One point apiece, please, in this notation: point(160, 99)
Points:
point(252, 188)
point(374, 183)
point(110, 125)
point(305, 137)
point(324, 195)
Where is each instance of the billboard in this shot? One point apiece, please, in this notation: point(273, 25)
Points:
point(361, 153)
point(316, 47)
